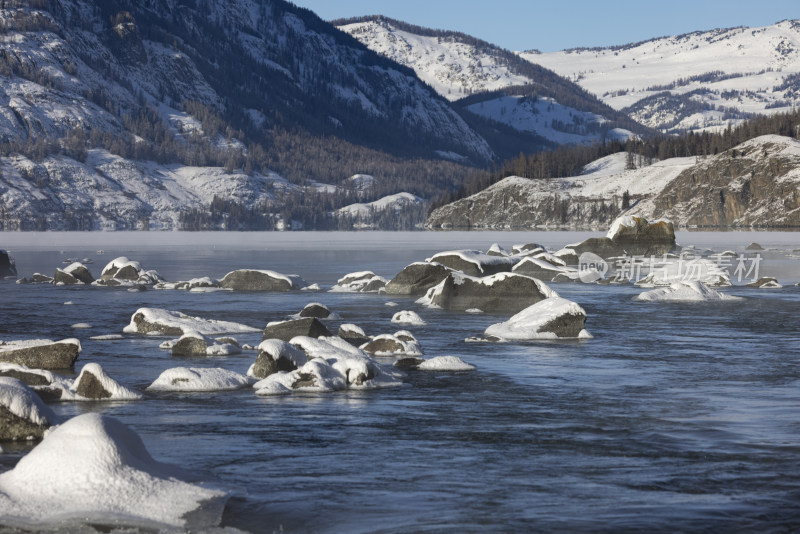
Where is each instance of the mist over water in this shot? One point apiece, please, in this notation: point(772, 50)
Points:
point(674, 417)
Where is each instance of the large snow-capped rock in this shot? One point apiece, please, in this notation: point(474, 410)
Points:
point(551, 318)
point(23, 415)
point(501, 292)
point(95, 469)
point(174, 323)
point(690, 81)
point(41, 353)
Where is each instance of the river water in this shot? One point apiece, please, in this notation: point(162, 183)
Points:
point(674, 417)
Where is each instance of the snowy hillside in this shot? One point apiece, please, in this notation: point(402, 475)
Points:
point(756, 184)
point(692, 81)
point(499, 85)
point(369, 215)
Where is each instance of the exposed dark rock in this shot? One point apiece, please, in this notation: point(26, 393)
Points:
point(304, 380)
point(253, 280)
point(63, 277)
point(286, 330)
point(267, 363)
point(417, 278)
point(48, 355)
point(754, 246)
point(315, 309)
point(353, 336)
point(765, 282)
point(568, 325)
point(31, 379)
point(143, 326)
point(383, 345)
point(505, 292)
point(408, 363)
point(16, 398)
point(7, 266)
point(48, 394)
point(90, 387)
point(360, 282)
point(189, 345)
point(15, 428)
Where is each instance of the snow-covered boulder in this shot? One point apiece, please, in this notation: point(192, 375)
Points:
point(199, 379)
point(315, 309)
point(275, 355)
point(640, 237)
point(93, 383)
point(23, 415)
point(195, 284)
point(417, 278)
point(333, 365)
point(496, 250)
point(122, 271)
point(36, 278)
point(94, 469)
point(473, 262)
point(286, 330)
point(502, 292)
point(75, 273)
point(688, 291)
point(261, 280)
point(400, 343)
point(353, 334)
point(41, 353)
point(408, 318)
point(173, 323)
point(551, 318)
point(360, 282)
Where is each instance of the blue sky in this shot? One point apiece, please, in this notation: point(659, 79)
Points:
point(558, 24)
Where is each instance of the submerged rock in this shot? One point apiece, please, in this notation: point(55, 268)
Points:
point(503, 292)
point(261, 280)
point(41, 353)
point(417, 278)
point(286, 330)
point(23, 415)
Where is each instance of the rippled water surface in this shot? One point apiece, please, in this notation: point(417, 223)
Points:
point(674, 417)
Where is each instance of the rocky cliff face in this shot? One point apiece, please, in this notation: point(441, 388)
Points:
point(756, 184)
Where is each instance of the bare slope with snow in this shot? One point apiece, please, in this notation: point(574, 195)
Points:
point(754, 184)
point(693, 81)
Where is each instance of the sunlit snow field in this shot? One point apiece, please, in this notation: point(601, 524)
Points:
point(673, 417)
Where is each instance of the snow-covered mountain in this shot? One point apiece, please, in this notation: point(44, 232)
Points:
point(501, 86)
point(754, 184)
point(694, 81)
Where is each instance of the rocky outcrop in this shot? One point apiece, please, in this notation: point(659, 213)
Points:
point(315, 309)
point(261, 280)
point(75, 273)
point(122, 271)
point(417, 278)
point(36, 278)
point(191, 344)
point(41, 353)
point(353, 334)
point(502, 292)
point(286, 330)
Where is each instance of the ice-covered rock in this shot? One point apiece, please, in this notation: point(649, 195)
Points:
point(275, 355)
point(286, 330)
point(75, 273)
point(173, 323)
point(502, 292)
point(23, 415)
point(551, 318)
point(473, 262)
point(261, 280)
point(194, 284)
point(122, 271)
point(199, 379)
point(41, 353)
point(94, 469)
point(360, 282)
point(95, 384)
point(687, 291)
point(409, 318)
point(445, 363)
point(333, 365)
point(417, 278)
